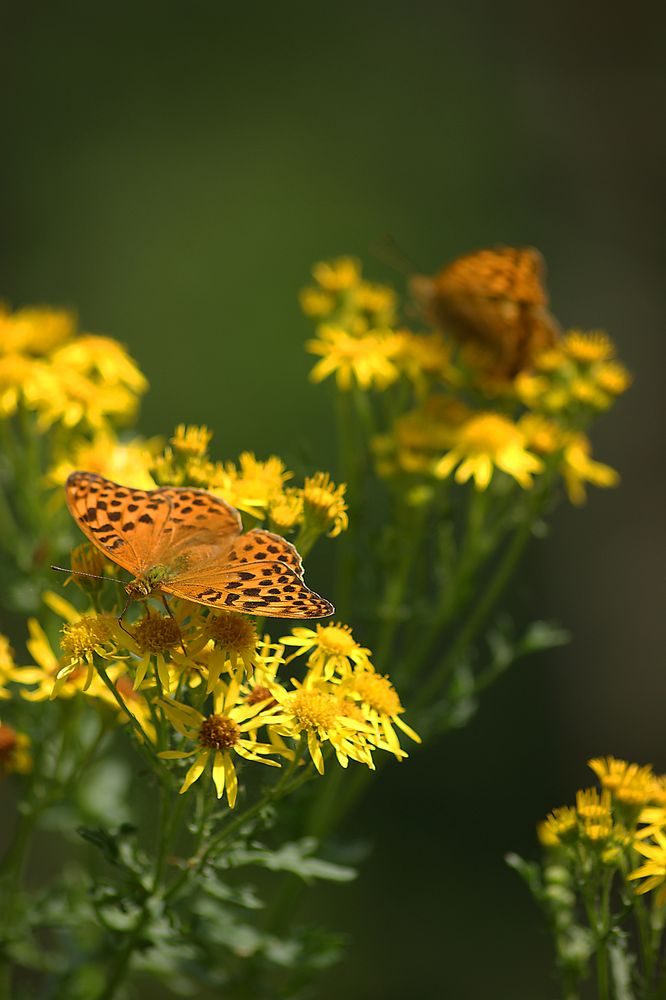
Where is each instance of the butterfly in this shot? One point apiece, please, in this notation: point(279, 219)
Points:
point(495, 301)
point(189, 543)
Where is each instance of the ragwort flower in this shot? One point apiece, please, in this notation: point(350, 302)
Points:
point(219, 736)
point(321, 716)
point(654, 869)
point(332, 649)
point(324, 506)
point(484, 442)
point(380, 705)
point(368, 361)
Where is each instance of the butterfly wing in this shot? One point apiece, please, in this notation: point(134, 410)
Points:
point(123, 523)
point(139, 528)
point(258, 545)
point(200, 526)
point(496, 299)
point(266, 588)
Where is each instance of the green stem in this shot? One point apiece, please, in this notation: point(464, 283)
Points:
point(142, 738)
point(411, 534)
point(486, 605)
point(472, 555)
point(351, 472)
point(283, 787)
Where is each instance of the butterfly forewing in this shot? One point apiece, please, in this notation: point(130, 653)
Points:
point(124, 523)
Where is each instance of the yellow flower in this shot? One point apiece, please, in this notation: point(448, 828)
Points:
point(420, 436)
point(83, 637)
point(484, 442)
point(579, 468)
point(583, 390)
point(126, 462)
point(559, 826)
point(424, 357)
point(654, 870)
point(102, 358)
point(549, 360)
point(541, 434)
point(316, 303)
point(191, 440)
point(322, 717)
point(379, 301)
point(324, 506)
point(7, 666)
point(42, 681)
point(285, 512)
point(337, 275)
point(35, 330)
point(235, 638)
point(612, 377)
point(593, 807)
point(586, 348)
point(15, 757)
point(629, 784)
point(157, 636)
point(380, 705)
point(22, 377)
point(218, 737)
point(252, 485)
point(369, 360)
point(332, 649)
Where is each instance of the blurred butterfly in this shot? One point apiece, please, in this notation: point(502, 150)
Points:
point(495, 302)
point(189, 543)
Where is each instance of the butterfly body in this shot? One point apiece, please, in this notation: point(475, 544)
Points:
point(189, 543)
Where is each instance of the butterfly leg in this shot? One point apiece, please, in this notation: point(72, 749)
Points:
point(122, 615)
point(173, 617)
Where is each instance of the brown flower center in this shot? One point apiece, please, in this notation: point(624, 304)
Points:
point(219, 732)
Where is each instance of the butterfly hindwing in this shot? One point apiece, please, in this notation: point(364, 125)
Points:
point(268, 589)
point(257, 545)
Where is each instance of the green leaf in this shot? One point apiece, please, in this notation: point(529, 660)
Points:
point(295, 857)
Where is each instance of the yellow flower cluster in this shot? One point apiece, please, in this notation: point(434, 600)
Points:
point(341, 295)
point(259, 488)
point(619, 822)
point(576, 379)
point(219, 685)
point(73, 379)
point(357, 338)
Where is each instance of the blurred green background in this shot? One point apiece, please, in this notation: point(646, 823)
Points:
point(172, 170)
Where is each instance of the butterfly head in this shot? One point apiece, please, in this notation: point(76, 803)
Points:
point(143, 586)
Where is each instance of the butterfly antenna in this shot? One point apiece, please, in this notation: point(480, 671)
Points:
point(94, 576)
point(387, 250)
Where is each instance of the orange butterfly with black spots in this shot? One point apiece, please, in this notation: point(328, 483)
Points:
point(495, 301)
point(189, 543)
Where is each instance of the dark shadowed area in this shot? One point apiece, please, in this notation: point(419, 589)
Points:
point(173, 171)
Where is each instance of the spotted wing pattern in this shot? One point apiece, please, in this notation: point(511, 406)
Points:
point(120, 521)
point(259, 545)
point(496, 300)
point(270, 589)
point(139, 528)
point(198, 535)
